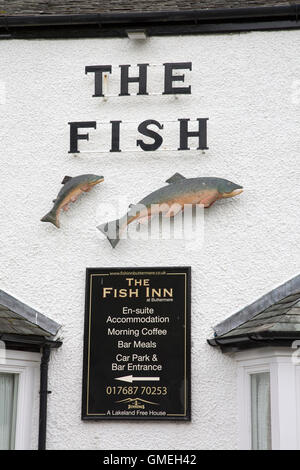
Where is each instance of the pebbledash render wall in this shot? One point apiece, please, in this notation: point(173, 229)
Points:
point(247, 85)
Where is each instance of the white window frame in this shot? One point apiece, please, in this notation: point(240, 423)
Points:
point(285, 405)
point(27, 366)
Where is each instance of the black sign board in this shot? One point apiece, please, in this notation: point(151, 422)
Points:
point(137, 344)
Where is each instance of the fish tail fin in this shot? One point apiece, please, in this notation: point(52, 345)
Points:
point(51, 217)
point(112, 231)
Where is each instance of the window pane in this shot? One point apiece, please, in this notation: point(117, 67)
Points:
point(8, 404)
point(261, 411)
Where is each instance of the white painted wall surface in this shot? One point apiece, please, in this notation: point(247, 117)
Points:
point(246, 84)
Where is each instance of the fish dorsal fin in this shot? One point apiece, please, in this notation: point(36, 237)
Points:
point(175, 178)
point(66, 179)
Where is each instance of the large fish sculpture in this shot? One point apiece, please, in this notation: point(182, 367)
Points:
point(170, 200)
point(71, 190)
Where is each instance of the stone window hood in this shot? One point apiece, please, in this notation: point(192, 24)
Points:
point(23, 328)
point(272, 320)
point(264, 338)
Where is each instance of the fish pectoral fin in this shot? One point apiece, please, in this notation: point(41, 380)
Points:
point(66, 179)
point(174, 210)
point(175, 178)
point(208, 205)
point(86, 188)
point(207, 202)
point(207, 199)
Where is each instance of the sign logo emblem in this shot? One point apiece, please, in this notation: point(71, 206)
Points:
point(136, 403)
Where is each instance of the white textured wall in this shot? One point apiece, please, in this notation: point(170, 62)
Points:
point(243, 83)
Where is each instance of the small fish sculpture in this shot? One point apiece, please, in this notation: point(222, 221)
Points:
point(170, 200)
point(71, 190)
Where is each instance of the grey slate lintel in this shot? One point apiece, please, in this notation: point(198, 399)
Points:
point(289, 288)
point(28, 313)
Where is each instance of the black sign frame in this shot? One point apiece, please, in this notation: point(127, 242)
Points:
point(183, 414)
